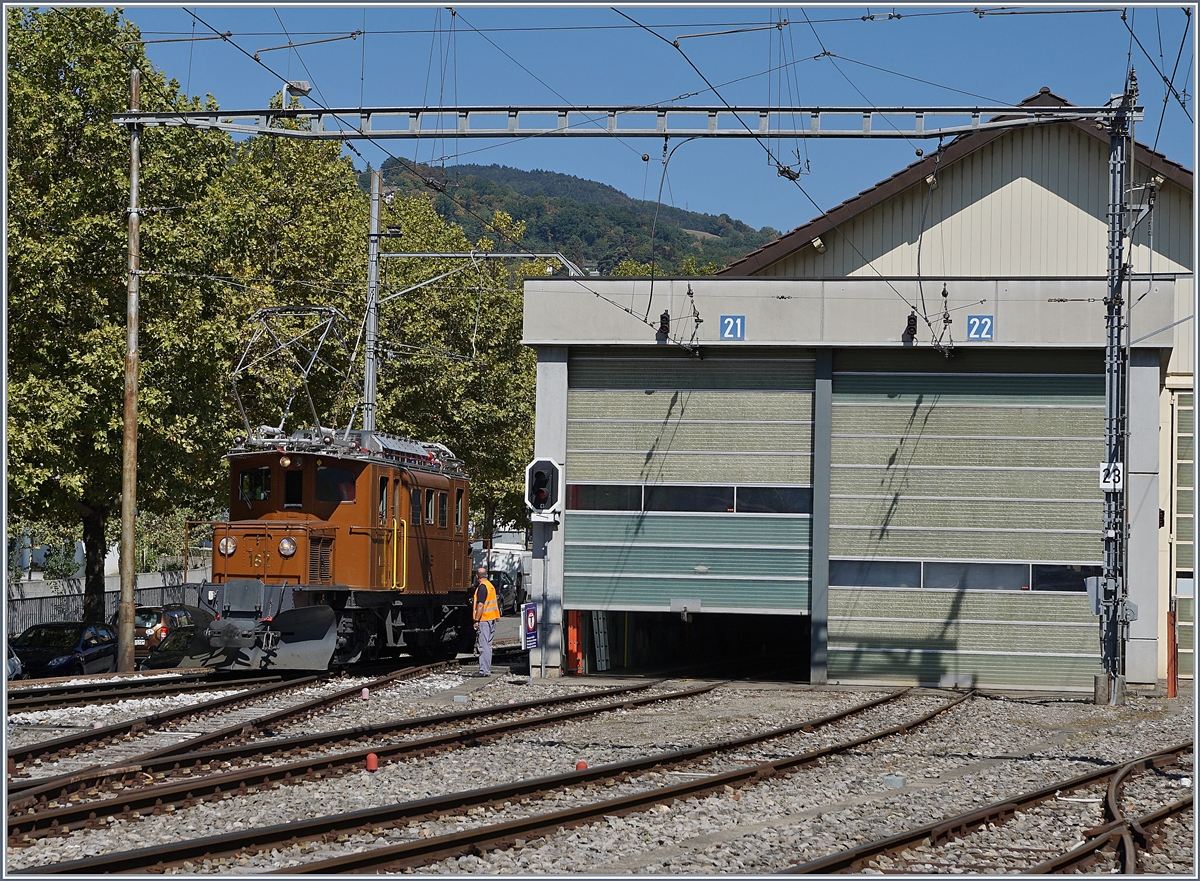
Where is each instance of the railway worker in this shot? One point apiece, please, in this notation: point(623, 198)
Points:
point(487, 613)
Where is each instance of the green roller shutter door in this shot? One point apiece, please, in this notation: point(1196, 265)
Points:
point(1008, 459)
point(644, 561)
point(985, 638)
point(1185, 612)
point(662, 418)
point(988, 458)
point(675, 419)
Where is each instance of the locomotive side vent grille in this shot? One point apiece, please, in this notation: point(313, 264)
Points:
point(320, 560)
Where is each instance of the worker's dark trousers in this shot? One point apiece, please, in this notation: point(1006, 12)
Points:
point(487, 632)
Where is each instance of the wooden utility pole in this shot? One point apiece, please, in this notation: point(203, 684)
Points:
point(129, 449)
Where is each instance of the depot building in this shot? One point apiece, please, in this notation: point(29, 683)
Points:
point(792, 479)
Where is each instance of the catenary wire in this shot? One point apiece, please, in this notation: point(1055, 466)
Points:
point(542, 82)
point(654, 226)
point(796, 183)
point(832, 60)
point(604, 27)
point(1166, 93)
point(299, 56)
point(1170, 86)
point(430, 183)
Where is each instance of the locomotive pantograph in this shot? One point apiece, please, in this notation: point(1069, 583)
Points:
point(341, 545)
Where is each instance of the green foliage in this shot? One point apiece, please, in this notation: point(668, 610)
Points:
point(590, 223)
point(631, 267)
point(160, 538)
point(68, 175)
point(454, 370)
point(59, 560)
point(693, 266)
point(266, 221)
point(56, 542)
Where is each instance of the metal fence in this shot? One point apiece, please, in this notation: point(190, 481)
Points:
point(24, 612)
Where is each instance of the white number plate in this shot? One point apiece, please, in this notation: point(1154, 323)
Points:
point(1112, 476)
point(141, 640)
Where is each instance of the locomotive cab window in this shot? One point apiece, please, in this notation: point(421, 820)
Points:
point(254, 484)
point(334, 484)
point(441, 510)
point(416, 507)
point(458, 510)
point(383, 483)
point(429, 498)
point(293, 489)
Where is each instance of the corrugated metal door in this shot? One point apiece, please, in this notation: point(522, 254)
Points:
point(964, 506)
point(1183, 529)
point(663, 421)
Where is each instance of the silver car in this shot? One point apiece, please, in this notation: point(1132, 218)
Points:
point(14, 665)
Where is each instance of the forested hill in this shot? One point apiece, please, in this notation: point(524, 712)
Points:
point(594, 225)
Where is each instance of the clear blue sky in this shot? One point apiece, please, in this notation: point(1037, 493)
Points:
point(413, 55)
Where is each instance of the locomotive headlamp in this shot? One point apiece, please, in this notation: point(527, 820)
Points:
point(285, 461)
point(227, 545)
point(287, 547)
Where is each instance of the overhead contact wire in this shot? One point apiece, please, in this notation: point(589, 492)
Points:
point(758, 140)
point(467, 209)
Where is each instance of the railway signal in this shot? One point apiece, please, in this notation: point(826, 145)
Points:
point(543, 489)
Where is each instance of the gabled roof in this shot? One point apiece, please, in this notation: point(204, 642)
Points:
point(915, 173)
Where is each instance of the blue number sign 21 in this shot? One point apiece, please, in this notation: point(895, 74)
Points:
point(733, 327)
point(980, 327)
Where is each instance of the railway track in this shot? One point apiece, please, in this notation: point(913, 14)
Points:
point(524, 792)
point(60, 696)
point(1123, 836)
point(57, 761)
point(976, 841)
point(156, 782)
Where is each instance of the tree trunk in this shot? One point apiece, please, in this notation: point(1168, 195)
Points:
point(95, 549)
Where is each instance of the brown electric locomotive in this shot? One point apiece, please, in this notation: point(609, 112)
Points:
point(341, 546)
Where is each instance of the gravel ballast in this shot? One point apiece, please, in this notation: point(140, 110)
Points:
point(980, 752)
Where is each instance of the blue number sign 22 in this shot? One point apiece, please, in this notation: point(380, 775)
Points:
point(733, 327)
point(980, 327)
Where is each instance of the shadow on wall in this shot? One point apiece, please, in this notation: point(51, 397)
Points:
point(907, 658)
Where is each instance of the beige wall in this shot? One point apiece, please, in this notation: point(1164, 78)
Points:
point(1031, 203)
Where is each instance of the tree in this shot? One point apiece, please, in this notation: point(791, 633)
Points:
point(269, 221)
point(68, 175)
point(632, 267)
point(453, 368)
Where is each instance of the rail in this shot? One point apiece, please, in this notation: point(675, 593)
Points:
point(154, 858)
point(942, 831)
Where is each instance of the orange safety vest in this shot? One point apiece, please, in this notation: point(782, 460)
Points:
point(491, 608)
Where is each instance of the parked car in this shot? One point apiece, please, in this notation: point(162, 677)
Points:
point(151, 625)
point(67, 648)
point(14, 665)
point(508, 595)
point(173, 649)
